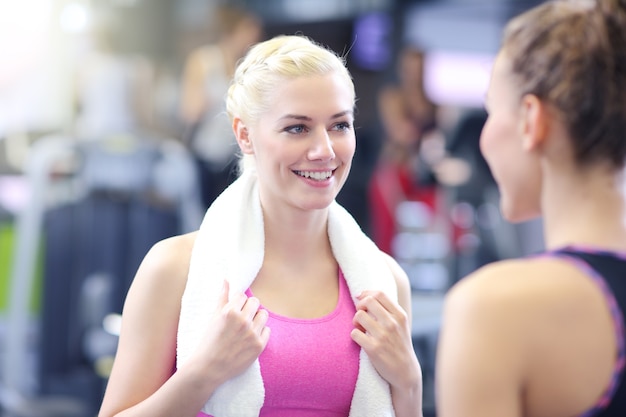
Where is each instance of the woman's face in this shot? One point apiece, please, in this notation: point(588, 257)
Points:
point(304, 144)
point(516, 170)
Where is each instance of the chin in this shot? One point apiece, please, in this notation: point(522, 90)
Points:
point(318, 204)
point(517, 215)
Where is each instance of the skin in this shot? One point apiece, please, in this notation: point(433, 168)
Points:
point(308, 128)
point(533, 337)
point(401, 105)
point(194, 101)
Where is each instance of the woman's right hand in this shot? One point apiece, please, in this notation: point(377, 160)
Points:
point(236, 336)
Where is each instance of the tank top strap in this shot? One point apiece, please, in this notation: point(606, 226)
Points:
point(573, 255)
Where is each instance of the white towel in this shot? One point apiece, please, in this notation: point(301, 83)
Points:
point(230, 245)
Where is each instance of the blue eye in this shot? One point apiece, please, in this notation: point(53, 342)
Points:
point(297, 129)
point(343, 126)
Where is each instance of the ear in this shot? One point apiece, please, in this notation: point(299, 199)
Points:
point(534, 122)
point(242, 136)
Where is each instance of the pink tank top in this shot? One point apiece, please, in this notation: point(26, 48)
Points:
point(310, 366)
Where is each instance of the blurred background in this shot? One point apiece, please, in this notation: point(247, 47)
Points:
point(105, 107)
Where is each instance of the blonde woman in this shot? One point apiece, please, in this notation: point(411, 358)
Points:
point(279, 305)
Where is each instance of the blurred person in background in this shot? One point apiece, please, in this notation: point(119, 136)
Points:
point(413, 163)
point(206, 76)
point(114, 89)
point(544, 335)
point(279, 305)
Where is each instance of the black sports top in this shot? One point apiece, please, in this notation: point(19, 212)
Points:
point(608, 270)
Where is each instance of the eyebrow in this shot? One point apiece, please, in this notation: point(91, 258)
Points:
point(307, 118)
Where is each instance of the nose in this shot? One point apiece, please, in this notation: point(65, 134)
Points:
point(321, 147)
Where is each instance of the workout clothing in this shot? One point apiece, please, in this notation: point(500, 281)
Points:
point(608, 270)
point(310, 366)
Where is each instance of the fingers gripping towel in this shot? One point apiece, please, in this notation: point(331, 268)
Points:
point(230, 245)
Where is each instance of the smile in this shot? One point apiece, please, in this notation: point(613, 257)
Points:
point(315, 175)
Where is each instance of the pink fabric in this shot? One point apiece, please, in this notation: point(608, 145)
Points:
point(310, 367)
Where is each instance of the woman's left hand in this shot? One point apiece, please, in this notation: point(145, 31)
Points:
point(382, 330)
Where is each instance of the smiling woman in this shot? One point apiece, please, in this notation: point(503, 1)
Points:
point(278, 273)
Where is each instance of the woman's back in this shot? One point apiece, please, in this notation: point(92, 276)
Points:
point(559, 336)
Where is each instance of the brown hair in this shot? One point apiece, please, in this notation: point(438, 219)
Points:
point(572, 54)
point(226, 19)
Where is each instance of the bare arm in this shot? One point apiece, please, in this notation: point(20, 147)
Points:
point(407, 402)
point(145, 358)
point(387, 341)
point(192, 93)
point(143, 382)
point(144, 82)
point(193, 98)
point(480, 357)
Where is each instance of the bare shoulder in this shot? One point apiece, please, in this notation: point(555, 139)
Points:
point(489, 301)
point(480, 359)
point(538, 325)
point(490, 285)
point(199, 61)
point(200, 53)
point(484, 338)
point(541, 304)
point(165, 267)
point(173, 248)
point(524, 286)
point(146, 350)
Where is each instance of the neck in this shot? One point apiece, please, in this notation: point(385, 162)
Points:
point(586, 209)
point(296, 237)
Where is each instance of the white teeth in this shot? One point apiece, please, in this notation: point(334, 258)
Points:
point(315, 175)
